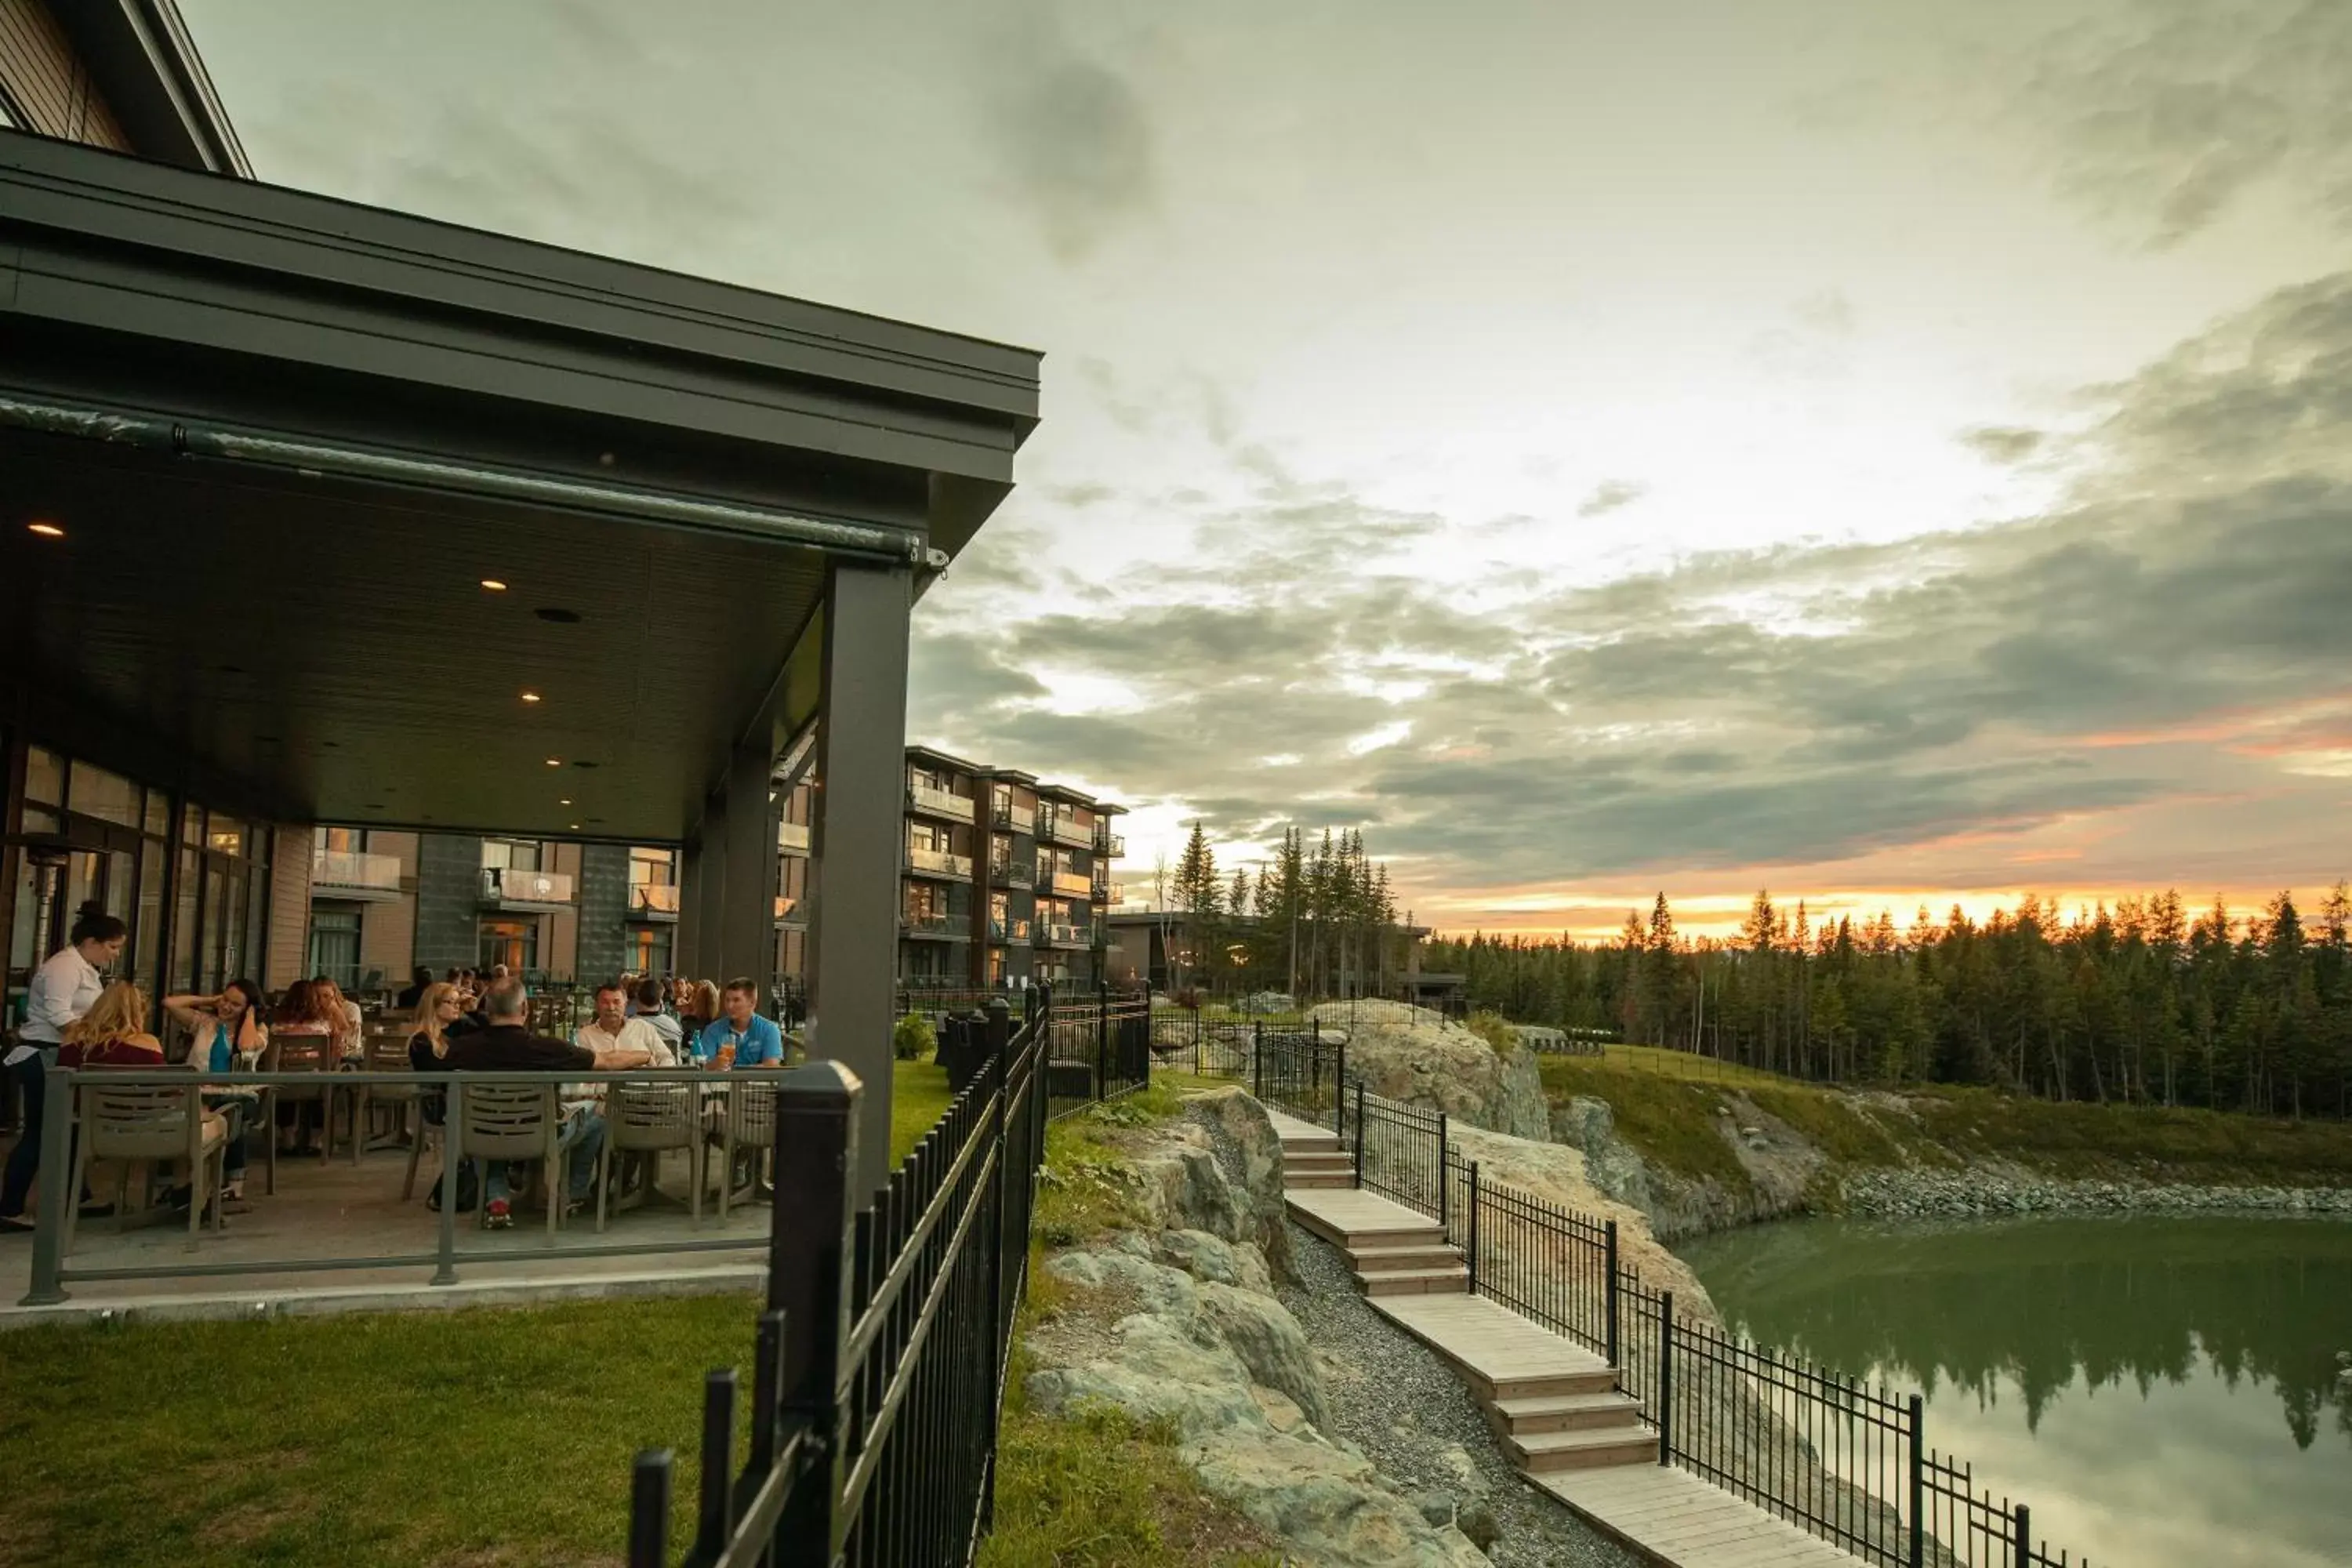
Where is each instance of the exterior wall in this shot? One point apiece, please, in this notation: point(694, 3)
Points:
point(603, 893)
point(559, 931)
point(388, 930)
point(448, 887)
point(286, 953)
point(47, 87)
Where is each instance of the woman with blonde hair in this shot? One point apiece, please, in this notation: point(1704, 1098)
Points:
point(438, 1009)
point(342, 1015)
point(113, 1034)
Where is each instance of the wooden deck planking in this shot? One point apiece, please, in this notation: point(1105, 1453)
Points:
point(1672, 1517)
point(1351, 1212)
point(1289, 1128)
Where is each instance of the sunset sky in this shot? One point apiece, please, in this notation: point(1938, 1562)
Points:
point(1888, 452)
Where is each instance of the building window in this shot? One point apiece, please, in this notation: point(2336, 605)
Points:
point(514, 943)
point(335, 943)
point(648, 949)
point(511, 855)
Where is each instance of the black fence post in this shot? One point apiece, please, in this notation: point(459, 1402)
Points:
point(1257, 1060)
point(1102, 1042)
point(1340, 1088)
point(649, 1510)
point(1441, 1183)
point(1667, 1378)
point(1474, 1228)
point(809, 1248)
point(2024, 1546)
point(55, 1174)
point(717, 1519)
point(1614, 1300)
point(1919, 1482)
point(1360, 1134)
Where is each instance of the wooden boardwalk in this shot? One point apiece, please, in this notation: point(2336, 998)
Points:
point(1670, 1516)
point(1348, 1217)
point(1499, 1354)
point(1295, 1132)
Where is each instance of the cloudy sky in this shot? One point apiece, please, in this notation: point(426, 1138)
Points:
point(1885, 451)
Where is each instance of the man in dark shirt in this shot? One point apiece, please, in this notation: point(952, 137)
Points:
point(507, 1045)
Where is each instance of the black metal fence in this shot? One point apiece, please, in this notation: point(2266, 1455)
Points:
point(1548, 1264)
point(1296, 1069)
point(881, 1358)
point(1400, 1151)
point(1098, 1048)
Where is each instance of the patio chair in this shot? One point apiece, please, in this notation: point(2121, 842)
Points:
point(301, 1053)
point(514, 1122)
point(649, 1120)
point(749, 1122)
point(144, 1123)
point(386, 1051)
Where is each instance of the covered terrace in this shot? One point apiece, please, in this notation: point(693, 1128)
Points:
point(316, 512)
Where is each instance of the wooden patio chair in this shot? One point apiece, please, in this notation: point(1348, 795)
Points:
point(748, 1122)
point(301, 1053)
point(512, 1121)
point(649, 1120)
point(150, 1124)
point(387, 1050)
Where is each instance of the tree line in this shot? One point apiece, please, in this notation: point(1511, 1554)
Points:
point(1319, 921)
point(2143, 1003)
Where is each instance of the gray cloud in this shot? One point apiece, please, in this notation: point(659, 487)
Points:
point(1609, 495)
point(1071, 131)
point(2002, 443)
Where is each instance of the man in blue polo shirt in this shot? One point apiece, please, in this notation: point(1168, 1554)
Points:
point(757, 1042)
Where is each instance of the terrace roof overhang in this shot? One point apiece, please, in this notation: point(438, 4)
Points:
point(287, 438)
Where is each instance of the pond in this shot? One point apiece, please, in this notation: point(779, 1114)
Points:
point(2162, 1390)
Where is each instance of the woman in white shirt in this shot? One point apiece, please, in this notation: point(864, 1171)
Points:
point(63, 989)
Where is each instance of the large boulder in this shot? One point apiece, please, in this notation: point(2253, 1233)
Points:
point(1422, 1057)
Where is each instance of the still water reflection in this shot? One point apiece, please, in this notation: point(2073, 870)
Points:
point(2163, 1391)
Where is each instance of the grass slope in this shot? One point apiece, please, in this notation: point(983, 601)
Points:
point(1665, 1104)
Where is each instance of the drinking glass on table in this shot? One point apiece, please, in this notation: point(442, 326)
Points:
point(726, 1055)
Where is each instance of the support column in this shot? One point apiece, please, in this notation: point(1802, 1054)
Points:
point(747, 921)
point(685, 942)
point(859, 832)
point(709, 899)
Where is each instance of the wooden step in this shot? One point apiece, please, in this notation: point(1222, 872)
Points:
point(1545, 1385)
point(1336, 1159)
point(1317, 1143)
point(1291, 1178)
point(1584, 1450)
point(1434, 1255)
point(1562, 1413)
point(1413, 1281)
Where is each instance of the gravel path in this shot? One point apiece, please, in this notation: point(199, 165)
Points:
point(1392, 1396)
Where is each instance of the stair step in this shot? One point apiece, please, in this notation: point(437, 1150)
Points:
point(1431, 1255)
point(1584, 1450)
point(1553, 1386)
point(1413, 1281)
point(1327, 1144)
point(1564, 1413)
point(1318, 1178)
point(1336, 1159)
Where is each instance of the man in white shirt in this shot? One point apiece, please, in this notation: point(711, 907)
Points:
point(612, 1029)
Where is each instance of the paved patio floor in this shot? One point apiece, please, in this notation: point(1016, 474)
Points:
point(339, 1210)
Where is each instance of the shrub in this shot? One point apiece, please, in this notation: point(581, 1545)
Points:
point(1495, 1029)
point(911, 1040)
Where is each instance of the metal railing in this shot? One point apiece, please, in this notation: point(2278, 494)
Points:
point(1099, 1047)
point(1071, 884)
point(1296, 1069)
point(939, 862)
point(1111, 844)
point(1065, 830)
point(1011, 874)
point(945, 802)
point(1400, 1151)
point(882, 1356)
point(1008, 931)
point(53, 1268)
point(507, 885)
point(652, 899)
point(1055, 933)
point(351, 868)
point(1548, 1264)
point(948, 926)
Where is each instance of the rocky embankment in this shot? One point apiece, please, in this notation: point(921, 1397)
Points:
point(1422, 1057)
point(1176, 1321)
point(1933, 1195)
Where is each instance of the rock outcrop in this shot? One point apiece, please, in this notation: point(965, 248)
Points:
point(1178, 1323)
point(1422, 1057)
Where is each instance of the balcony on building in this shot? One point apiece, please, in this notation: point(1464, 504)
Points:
point(1055, 934)
point(1072, 884)
point(925, 862)
point(1106, 891)
point(935, 927)
point(792, 837)
point(1008, 931)
point(349, 874)
point(506, 888)
point(1109, 843)
point(649, 901)
point(1011, 874)
point(932, 802)
point(1065, 829)
point(1001, 816)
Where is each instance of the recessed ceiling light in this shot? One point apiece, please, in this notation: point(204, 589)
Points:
point(575, 827)
point(555, 762)
point(494, 585)
point(563, 803)
point(531, 697)
point(45, 530)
